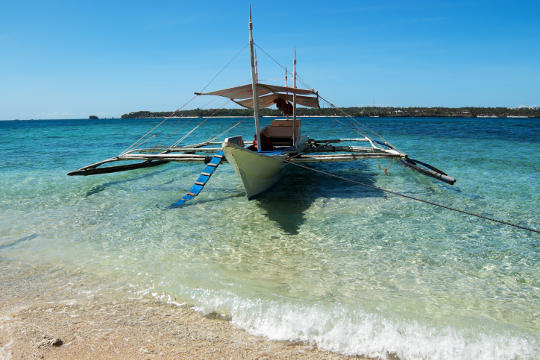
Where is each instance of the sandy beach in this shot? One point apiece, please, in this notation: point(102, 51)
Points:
point(135, 330)
point(43, 318)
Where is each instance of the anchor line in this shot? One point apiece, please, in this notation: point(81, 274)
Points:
point(415, 198)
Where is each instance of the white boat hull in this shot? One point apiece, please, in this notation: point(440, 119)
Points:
point(258, 171)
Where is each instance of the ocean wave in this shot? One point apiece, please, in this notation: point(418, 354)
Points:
point(350, 331)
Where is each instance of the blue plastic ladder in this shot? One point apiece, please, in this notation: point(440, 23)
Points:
point(202, 179)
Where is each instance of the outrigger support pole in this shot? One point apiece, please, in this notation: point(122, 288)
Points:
point(428, 170)
point(89, 170)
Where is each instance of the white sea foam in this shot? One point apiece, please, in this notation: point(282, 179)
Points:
point(5, 349)
point(350, 331)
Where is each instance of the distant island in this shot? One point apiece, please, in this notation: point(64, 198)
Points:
point(363, 111)
point(93, 117)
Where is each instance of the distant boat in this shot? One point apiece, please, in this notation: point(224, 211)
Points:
point(259, 163)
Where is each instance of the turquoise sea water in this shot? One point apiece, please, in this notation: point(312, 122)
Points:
point(316, 259)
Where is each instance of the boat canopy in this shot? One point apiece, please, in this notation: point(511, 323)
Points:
point(267, 95)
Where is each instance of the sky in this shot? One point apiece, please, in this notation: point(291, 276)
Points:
point(72, 59)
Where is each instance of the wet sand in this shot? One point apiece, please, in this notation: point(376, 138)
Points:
point(135, 330)
point(43, 318)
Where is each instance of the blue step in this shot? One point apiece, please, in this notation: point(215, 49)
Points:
point(202, 179)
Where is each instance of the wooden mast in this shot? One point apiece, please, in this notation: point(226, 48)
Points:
point(254, 85)
point(294, 101)
point(286, 85)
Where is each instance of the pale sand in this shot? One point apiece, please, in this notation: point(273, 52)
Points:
point(135, 330)
point(33, 316)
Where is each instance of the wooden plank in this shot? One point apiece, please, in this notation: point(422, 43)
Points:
point(340, 140)
point(342, 157)
point(168, 157)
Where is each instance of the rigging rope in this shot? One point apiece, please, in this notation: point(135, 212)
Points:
point(352, 127)
point(142, 137)
point(145, 141)
point(359, 124)
point(179, 127)
point(225, 66)
point(355, 122)
point(414, 198)
point(196, 127)
point(224, 132)
point(188, 133)
point(136, 143)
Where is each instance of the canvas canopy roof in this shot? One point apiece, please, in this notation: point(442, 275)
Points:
point(243, 95)
point(268, 100)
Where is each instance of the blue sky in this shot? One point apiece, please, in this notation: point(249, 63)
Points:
point(70, 59)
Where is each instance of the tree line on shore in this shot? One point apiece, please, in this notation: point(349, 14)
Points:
point(362, 111)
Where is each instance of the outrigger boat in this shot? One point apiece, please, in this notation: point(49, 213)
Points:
point(259, 163)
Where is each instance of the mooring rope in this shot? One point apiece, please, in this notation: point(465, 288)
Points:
point(414, 198)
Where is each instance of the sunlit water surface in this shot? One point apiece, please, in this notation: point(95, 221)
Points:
point(317, 259)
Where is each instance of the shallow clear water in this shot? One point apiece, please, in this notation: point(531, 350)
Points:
point(316, 259)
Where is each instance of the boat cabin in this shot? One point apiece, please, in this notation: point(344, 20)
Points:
point(280, 132)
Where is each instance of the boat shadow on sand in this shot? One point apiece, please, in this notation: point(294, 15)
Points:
point(287, 202)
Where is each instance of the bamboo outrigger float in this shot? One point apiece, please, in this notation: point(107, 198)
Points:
point(259, 163)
